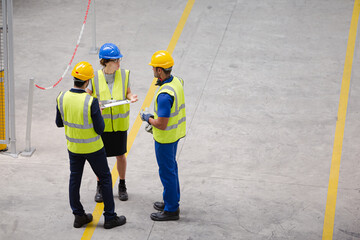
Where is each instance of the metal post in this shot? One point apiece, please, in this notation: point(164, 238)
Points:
point(10, 47)
point(28, 152)
point(6, 64)
point(93, 49)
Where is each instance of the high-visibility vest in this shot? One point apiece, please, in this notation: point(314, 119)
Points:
point(176, 127)
point(75, 109)
point(115, 118)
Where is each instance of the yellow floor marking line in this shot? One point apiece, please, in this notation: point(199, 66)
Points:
point(328, 228)
point(99, 208)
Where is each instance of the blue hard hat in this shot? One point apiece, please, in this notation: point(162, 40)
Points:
point(109, 51)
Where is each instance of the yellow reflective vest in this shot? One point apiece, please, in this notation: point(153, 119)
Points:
point(176, 127)
point(115, 118)
point(75, 110)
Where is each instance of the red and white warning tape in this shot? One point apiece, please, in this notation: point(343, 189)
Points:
point(72, 58)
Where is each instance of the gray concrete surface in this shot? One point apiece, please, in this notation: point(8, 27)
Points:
point(262, 86)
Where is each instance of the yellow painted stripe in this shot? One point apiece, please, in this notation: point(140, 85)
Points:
point(180, 26)
point(328, 228)
point(99, 208)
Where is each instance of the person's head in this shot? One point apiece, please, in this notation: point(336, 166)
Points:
point(82, 73)
point(162, 63)
point(110, 57)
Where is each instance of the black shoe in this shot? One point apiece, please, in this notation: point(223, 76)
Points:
point(98, 195)
point(123, 196)
point(165, 216)
point(116, 221)
point(159, 206)
point(81, 220)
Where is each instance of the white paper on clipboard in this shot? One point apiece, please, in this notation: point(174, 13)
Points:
point(114, 103)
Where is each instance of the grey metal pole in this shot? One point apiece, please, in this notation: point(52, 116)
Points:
point(6, 82)
point(28, 152)
point(11, 79)
point(93, 49)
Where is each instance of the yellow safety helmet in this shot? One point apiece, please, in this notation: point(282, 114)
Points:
point(83, 71)
point(162, 59)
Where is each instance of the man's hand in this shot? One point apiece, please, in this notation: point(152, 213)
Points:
point(144, 115)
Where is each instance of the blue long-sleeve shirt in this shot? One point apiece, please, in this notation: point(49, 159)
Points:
point(96, 116)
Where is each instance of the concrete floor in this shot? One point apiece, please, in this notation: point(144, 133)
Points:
point(262, 87)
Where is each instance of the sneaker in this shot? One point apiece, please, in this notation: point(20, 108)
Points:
point(116, 221)
point(159, 206)
point(98, 195)
point(81, 220)
point(123, 196)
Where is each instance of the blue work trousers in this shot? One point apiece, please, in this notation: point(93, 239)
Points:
point(99, 165)
point(168, 171)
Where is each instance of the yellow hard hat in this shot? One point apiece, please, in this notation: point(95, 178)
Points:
point(83, 71)
point(162, 59)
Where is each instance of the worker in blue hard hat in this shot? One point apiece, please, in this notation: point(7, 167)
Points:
point(113, 83)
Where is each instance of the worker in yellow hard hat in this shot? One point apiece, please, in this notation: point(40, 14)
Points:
point(113, 83)
point(80, 114)
point(169, 126)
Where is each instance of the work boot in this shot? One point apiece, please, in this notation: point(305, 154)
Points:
point(123, 196)
point(98, 195)
point(159, 206)
point(116, 221)
point(81, 220)
point(165, 216)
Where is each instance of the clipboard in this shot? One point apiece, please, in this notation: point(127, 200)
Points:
point(113, 103)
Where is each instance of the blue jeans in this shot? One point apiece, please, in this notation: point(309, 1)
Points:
point(99, 165)
point(168, 172)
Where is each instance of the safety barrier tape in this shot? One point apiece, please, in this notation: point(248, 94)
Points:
point(72, 58)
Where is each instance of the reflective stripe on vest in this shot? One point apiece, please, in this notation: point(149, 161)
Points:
point(176, 127)
point(120, 115)
point(116, 118)
point(89, 140)
point(86, 140)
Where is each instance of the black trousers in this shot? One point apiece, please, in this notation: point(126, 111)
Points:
point(99, 165)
